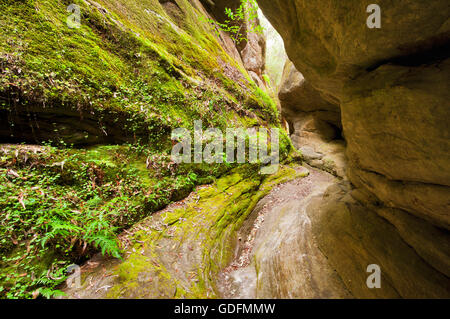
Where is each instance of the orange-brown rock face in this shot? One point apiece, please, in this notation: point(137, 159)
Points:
point(392, 87)
point(314, 122)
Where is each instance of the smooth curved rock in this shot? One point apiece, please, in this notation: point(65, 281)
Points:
point(396, 125)
point(329, 41)
point(314, 123)
point(354, 235)
point(392, 85)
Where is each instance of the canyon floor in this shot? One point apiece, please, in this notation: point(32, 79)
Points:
point(275, 255)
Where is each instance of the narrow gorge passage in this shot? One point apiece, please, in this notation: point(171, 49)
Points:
point(275, 256)
point(134, 149)
point(278, 256)
point(179, 251)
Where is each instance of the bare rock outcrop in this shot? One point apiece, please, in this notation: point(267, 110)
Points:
point(392, 86)
point(314, 122)
point(280, 257)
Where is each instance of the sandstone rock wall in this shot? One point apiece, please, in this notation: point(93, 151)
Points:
point(108, 86)
point(392, 86)
point(314, 122)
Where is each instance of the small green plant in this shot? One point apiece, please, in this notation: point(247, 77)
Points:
point(245, 17)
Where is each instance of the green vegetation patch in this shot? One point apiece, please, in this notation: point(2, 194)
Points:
point(129, 66)
point(60, 206)
point(183, 250)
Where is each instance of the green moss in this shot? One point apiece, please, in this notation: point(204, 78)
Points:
point(130, 61)
point(135, 70)
point(210, 224)
point(76, 189)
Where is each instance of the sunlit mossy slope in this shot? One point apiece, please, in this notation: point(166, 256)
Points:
point(133, 70)
point(99, 103)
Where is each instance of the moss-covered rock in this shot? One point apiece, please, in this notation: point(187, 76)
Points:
point(132, 71)
point(178, 252)
point(104, 99)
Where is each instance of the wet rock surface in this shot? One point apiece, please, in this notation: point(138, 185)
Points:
point(280, 257)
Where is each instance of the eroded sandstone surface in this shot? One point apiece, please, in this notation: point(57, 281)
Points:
point(314, 123)
point(392, 88)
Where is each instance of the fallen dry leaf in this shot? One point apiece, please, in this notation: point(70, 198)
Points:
point(21, 200)
point(35, 294)
point(11, 172)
